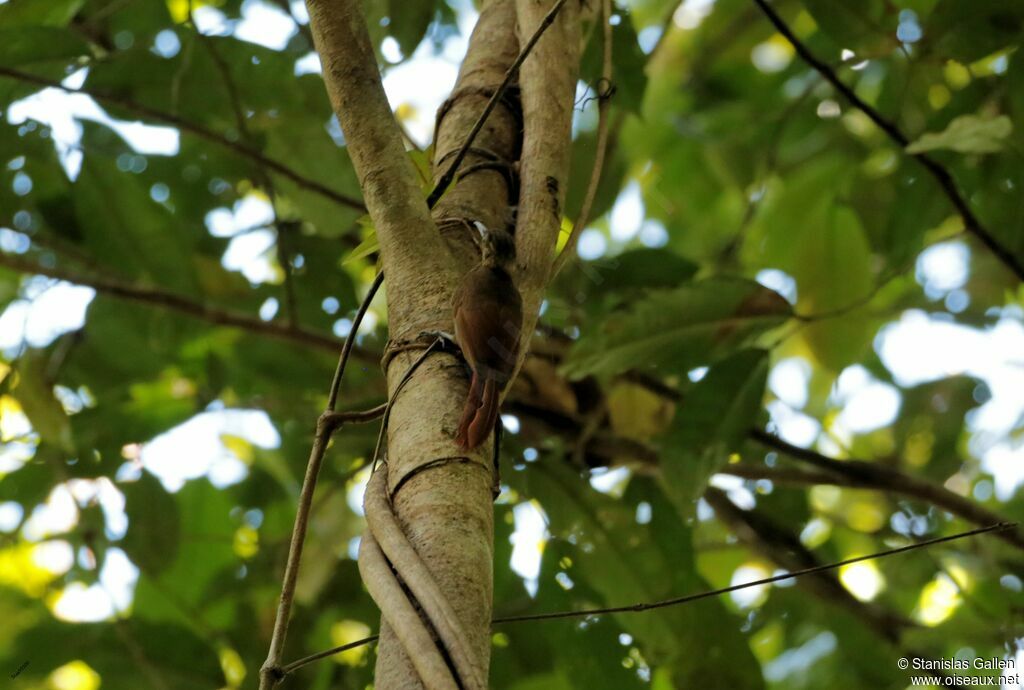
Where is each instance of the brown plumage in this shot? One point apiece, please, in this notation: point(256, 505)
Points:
point(488, 318)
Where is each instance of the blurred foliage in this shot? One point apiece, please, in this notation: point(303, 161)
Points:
point(743, 164)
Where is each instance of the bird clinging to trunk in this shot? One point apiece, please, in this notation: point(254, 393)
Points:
point(488, 320)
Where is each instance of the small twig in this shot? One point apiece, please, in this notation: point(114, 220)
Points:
point(604, 98)
point(449, 175)
point(789, 475)
point(271, 673)
point(676, 601)
point(183, 305)
point(196, 129)
point(940, 173)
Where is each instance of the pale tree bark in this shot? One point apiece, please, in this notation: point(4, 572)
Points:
point(441, 496)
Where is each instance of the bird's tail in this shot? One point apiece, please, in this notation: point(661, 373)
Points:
point(473, 400)
point(476, 427)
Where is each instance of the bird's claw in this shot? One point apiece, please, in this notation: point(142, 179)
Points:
point(446, 338)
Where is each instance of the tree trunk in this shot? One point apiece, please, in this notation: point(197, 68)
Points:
point(442, 496)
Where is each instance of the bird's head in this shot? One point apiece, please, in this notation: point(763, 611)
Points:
point(497, 247)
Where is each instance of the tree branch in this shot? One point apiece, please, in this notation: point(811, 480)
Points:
point(945, 179)
point(772, 541)
point(184, 305)
point(548, 87)
point(513, 70)
point(195, 129)
point(861, 474)
point(605, 449)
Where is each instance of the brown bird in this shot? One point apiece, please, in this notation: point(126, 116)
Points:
point(488, 320)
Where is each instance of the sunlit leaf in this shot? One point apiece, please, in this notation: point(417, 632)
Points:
point(676, 330)
point(712, 420)
point(967, 134)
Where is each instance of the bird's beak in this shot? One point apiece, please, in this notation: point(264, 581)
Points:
point(484, 232)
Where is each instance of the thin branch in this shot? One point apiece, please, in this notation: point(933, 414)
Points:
point(449, 175)
point(861, 474)
point(184, 305)
point(337, 419)
point(941, 174)
point(791, 475)
point(676, 601)
point(759, 531)
point(332, 399)
point(858, 474)
point(604, 99)
point(307, 660)
point(193, 128)
point(270, 673)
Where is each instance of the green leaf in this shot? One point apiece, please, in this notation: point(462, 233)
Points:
point(125, 653)
point(677, 330)
point(834, 277)
point(205, 548)
point(584, 150)
point(154, 524)
point(638, 269)
point(318, 278)
point(968, 31)
point(130, 231)
point(409, 23)
point(304, 143)
point(967, 134)
point(34, 391)
point(29, 44)
point(369, 245)
point(804, 229)
point(40, 12)
point(857, 26)
point(712, 420)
